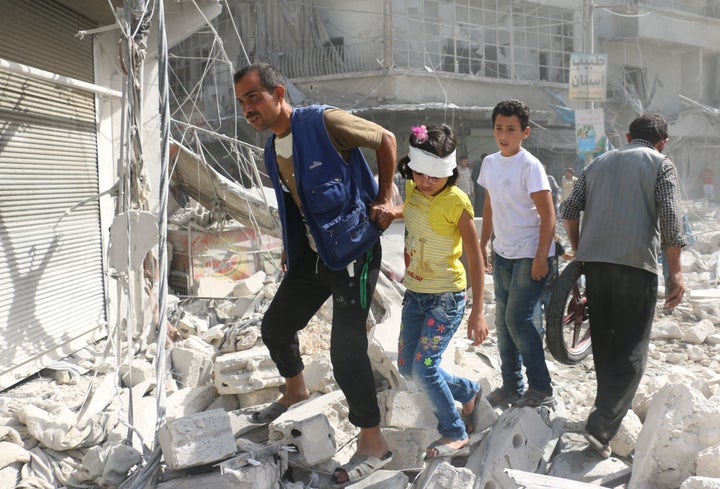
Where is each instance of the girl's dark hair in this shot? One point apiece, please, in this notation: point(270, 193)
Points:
point(441, 141)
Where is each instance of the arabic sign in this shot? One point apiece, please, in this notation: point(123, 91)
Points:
point(590, 130)
point(588, 77)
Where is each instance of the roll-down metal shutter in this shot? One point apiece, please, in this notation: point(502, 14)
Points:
point(51, 270)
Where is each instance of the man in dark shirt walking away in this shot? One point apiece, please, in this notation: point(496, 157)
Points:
point(631, 202)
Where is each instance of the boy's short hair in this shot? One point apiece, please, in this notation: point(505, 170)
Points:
point(650, 127)
point(512, 107)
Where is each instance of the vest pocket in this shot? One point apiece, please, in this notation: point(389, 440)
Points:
point(327, 196)
point(351, 235)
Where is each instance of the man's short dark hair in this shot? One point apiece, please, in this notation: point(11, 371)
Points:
point(650, 127)
point(512, 107)
point(270, 77)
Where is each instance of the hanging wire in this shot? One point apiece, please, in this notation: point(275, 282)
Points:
point(140, 478)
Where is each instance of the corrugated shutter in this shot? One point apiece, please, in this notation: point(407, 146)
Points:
point(51, 270)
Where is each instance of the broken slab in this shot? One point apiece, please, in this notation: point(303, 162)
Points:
point(189, 400)
point(313, 427)
point(624, 442)
point(246, 371)
point(318, 373)
point(405, 409)
point(198, 439)
point(264, 471)
point(708, 462)
point(522, 438)
point(529, 480)
point(698, 333)
point(680, 423)
point(698, 482)
point(213, 480)
point(409, 445)
point(577, 461)
point(192, 361)
point(441, 475)
point(132, 235)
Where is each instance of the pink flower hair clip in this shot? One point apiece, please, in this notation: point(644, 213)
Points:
point(420, 133)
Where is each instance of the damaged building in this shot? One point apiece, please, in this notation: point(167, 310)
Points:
point(138, 277)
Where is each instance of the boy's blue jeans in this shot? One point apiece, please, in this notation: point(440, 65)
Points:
point(428, 323)
point(516, 296)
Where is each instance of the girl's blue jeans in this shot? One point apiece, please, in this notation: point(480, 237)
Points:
point(428, 323)
point(516, 296)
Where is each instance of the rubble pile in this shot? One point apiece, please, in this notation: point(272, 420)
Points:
point(86, 423)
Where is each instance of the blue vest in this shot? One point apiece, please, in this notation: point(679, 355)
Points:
point(335, 195)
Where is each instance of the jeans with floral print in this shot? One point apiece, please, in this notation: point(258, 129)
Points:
point(428, 323)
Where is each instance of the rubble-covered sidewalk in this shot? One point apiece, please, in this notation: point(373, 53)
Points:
point(86, 423)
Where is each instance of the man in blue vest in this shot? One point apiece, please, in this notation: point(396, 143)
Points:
point(332, 212)
point(631, 202)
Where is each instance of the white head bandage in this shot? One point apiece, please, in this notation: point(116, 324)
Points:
point(431, 165)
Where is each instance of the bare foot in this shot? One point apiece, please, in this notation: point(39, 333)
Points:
point(290, 398)
point(295, 391)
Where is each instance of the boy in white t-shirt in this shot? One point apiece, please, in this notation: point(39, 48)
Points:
point(519, 211)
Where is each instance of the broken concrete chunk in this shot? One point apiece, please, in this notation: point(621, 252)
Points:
point(197, 439)
point(246, 371)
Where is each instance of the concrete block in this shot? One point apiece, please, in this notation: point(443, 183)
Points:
point(246, 371)
point(697, 482)
point(242, 335)
point(250, 286)
point(266, 475)
point(212, 287)
point(521, 439)
point(409, 445)
point(404, 409)
point(623, 444)
point(255, 398)
point(191, 325)
point(680, 423)
point(318, 373)
point(197, 439)
point(698, 333)
point(215, 335)
point(442, 475)
point(708, 462)
point(189, 400)
point(214, 480)
point(226, 403)
point(137, 372)
point(192, 361)
point(312, 426)
point(242, 426)
point(384, 364)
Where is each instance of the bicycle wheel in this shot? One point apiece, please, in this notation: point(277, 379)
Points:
point(567, 331)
